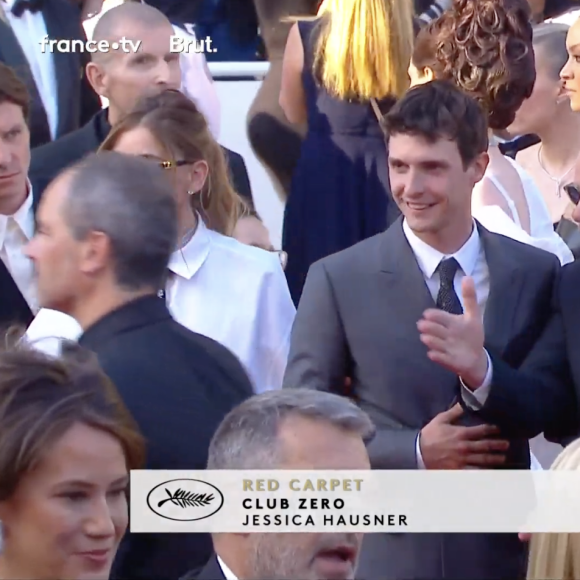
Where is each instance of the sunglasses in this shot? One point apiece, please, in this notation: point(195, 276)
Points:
point(573, 192)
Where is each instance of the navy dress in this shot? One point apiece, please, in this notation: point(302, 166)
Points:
point(340, 188)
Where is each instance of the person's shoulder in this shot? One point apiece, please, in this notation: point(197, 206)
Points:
point(356, 257)
point(49, 159)
point(535, 259)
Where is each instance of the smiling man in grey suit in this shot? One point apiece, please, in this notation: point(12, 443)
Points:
point(358, 317)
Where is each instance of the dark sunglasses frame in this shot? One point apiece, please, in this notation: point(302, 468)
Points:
point(573, 192)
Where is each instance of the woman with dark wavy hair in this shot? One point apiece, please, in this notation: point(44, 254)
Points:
point(485, 48)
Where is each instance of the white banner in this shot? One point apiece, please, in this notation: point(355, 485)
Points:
point(355, 501)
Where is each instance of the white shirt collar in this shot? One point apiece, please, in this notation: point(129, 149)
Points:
point(186, 261)
point(24, 217)
point(429, 258)
point(227, 572)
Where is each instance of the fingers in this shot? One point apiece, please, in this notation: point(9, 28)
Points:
point(451, 414)
point(479, 432)
point(470, 305)
point(484, 460)
point(439, 317)
point(430, 328)
point(487, 446)
point(524, 537)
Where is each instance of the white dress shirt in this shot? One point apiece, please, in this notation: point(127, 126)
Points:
point(15, 232)
point(229, 575)
point(29, 29)
point(471, 260)
point(223, 289)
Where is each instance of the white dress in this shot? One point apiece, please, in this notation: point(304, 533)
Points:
point(542, 234)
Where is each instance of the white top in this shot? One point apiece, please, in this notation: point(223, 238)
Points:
point(15, 232)
point(568, 18)
point(542, 234)
point(29, 30)
point(223, 289)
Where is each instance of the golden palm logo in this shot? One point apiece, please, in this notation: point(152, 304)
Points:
point(186, 499)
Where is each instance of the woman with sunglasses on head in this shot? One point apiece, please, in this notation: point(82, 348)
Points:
point(217, 286)
point(67, 445)
point(485, 48)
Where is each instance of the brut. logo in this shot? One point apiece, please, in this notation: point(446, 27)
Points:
point(185, 500)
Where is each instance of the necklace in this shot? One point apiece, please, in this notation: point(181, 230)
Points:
point(557, 180)
point(187, 236)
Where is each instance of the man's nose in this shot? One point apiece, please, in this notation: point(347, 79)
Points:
point(5, 155)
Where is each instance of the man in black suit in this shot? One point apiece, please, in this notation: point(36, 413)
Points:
point(18, 201)
point(62, 100)
point(359, 313)
point(107, 229)
point(123, 79)
point(288, 429)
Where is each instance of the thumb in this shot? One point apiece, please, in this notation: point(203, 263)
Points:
point(470, 305)
point(451, 414)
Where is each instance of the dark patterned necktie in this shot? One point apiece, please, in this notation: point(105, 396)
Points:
point(447, 298)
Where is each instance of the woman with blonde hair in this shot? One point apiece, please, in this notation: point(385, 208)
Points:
point(340, 71)
point(557, 556)
point(232, 292)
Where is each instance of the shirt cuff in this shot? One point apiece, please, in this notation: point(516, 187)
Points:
point(420, 462)
point(476, 399)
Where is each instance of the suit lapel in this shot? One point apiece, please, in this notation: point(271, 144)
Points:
point(506, 281)
point(55, 27)
point(403, 279)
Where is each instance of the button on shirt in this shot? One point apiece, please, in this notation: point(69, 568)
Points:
point(223, 289)
point(29, 29)
point(15, 232)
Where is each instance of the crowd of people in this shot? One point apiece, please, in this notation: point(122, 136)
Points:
point(421, 313)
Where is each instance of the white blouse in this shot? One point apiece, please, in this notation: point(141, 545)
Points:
point(223, 289)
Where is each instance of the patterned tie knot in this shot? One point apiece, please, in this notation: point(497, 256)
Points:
point(447, 269)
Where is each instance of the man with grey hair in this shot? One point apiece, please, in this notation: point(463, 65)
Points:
point(106, 230)
point(289, 429)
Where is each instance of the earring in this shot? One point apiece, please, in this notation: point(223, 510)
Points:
point(190, 192)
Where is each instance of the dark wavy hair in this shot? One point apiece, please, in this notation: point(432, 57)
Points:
point(485, 48)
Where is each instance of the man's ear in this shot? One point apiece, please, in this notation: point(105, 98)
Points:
point(97, 78)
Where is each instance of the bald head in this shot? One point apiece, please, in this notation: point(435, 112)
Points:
point(130, 20)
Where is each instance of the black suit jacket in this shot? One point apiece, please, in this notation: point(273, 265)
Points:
point(357, 317)
point(178, 385)
point(77, 102)
point(14, 309)
point(211, 571)
point(49, 160)
point(544, 395)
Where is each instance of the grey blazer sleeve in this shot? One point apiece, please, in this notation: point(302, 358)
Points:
point(320, 359)
point(319, 355)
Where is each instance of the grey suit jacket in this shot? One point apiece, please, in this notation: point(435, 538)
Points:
point(357, 318)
